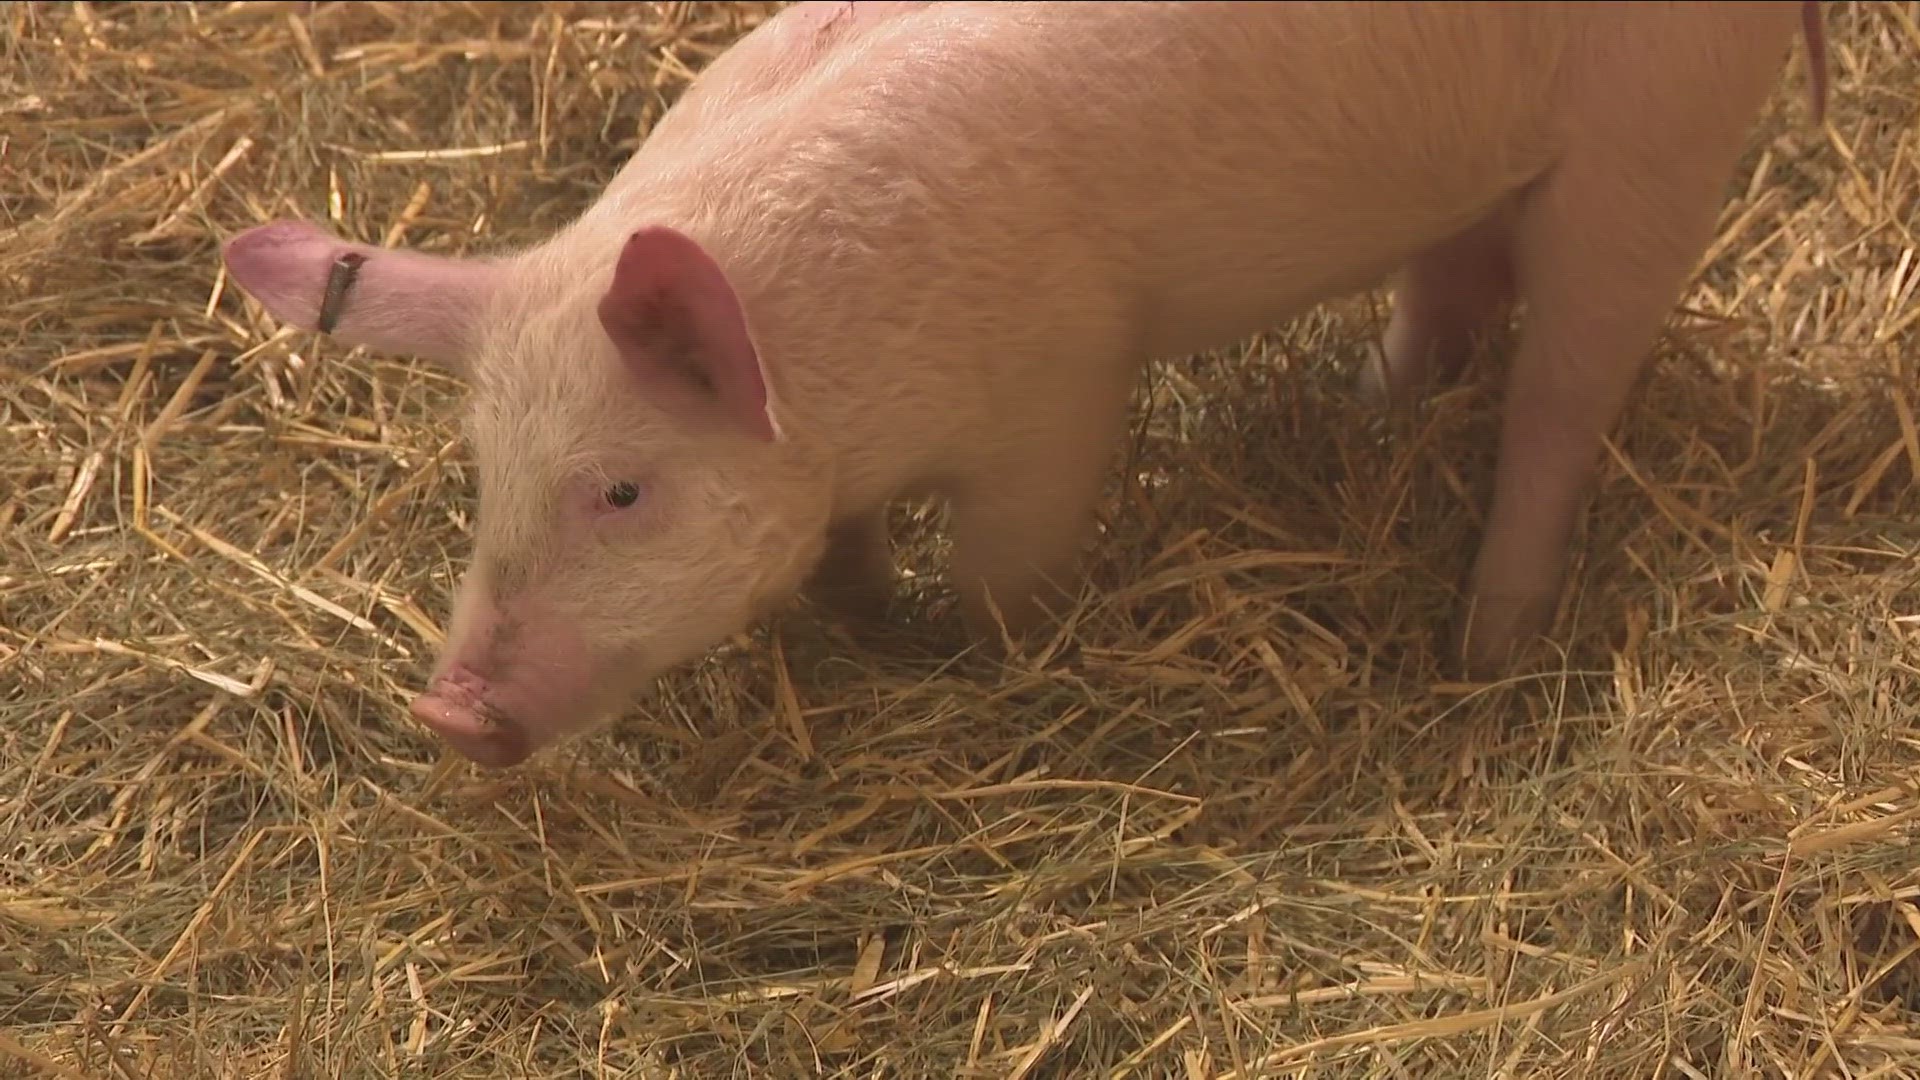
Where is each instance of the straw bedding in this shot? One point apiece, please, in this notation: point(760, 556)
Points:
point(1244, 827)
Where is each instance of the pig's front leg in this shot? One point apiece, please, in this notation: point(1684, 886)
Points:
point(1444, 300)
point(854, 579)
point(1019, 525)
point(1603, 248)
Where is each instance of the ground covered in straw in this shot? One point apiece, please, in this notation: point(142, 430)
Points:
point(1246, 828)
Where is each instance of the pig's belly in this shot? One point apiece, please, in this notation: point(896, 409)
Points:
point(1225, 287)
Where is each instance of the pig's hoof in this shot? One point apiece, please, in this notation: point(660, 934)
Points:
point(1498, 634)
point(1373, 385)
point(1390, 387)
point(858, 618)
point(904, 640)
point(854, 603)
point(870, 630)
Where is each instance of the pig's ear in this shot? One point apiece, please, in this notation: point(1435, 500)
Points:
point(678, 325)
point(400, 302)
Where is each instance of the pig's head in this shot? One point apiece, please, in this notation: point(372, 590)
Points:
point(639, 503)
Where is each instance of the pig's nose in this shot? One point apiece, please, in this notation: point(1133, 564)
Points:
point(482, 735)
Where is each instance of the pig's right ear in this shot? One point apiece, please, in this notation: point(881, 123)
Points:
point(395, 301)
point(678, 325)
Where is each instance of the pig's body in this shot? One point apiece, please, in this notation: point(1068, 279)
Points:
point(924, 248)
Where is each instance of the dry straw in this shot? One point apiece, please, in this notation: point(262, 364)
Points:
point(1244, 829)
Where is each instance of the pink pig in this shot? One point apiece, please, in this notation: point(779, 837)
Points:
point(906, 249)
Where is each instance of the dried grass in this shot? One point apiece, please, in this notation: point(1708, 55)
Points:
point(1245, 830)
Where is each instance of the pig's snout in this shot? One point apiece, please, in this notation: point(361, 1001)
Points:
point(457, 708)
point(512, 680)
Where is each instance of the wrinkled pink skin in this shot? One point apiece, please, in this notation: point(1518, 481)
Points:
point(900, 249)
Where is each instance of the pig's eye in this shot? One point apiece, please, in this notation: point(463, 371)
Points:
point(622, 495)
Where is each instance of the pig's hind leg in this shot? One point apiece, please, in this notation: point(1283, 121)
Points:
point(1604, 245)
point(1445, 300)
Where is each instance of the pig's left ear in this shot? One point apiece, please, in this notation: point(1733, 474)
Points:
point(396, 301)
point(678, 326)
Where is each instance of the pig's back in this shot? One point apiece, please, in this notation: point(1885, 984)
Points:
point(1221, 161)
point(1217, 165)
point(1249, 159)
point(1257, 158)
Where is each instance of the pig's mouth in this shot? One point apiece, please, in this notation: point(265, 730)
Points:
point(456, 708)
